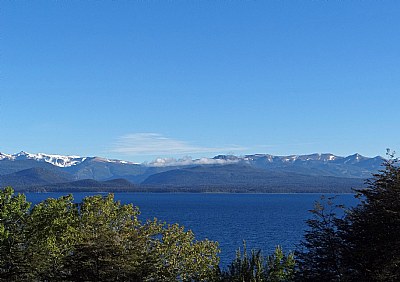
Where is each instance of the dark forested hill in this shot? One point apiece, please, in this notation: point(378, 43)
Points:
point(236, 178)
point(34, 176)
point(87, 185)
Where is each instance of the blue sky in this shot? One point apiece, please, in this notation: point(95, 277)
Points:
point(137, 80)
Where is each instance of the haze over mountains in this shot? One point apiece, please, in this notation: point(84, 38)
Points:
point(223, 173)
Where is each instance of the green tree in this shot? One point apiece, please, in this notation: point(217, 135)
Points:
point(247, 268)
point(180, 257)
point(114, 246)
point(281, 267)
point(373, 233)
point(97, 240)
point(109, 246)
point(52, 229)
point(256, 268)
point(14, 265)
point(320, 256)
point(362, 246)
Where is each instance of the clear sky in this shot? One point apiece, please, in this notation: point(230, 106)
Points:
point(136, 80)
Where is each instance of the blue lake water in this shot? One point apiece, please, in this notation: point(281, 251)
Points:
point(262, 220)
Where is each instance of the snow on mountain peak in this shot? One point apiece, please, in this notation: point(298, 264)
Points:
point(4, 156)
point(68, 161)
point(104, 160)
point(57, 160)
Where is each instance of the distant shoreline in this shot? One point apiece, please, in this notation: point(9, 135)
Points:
point(168, 192)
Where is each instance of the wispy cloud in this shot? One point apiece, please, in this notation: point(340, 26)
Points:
point(155, 144)
point(162, 162)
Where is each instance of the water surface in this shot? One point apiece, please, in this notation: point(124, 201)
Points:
point(262, 220)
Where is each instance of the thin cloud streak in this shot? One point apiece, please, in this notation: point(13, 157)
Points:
point(150, 144)
point(164, 162)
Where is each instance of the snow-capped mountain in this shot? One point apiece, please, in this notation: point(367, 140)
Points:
point(5, 156)
point(310, 173)
point(57, 160)
point(68, 161)
point(323, 158)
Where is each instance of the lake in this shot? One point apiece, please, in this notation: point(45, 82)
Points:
point(262, 220)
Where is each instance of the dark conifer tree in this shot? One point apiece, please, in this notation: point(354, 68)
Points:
point(320, 254)
point(374, 231)
point(362, 246)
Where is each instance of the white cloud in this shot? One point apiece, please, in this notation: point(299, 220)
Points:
point(154, 144)
point(162, 162)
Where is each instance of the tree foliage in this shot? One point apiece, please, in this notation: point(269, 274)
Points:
point(96, 240)
point(373, 236)
point(254, 267)
point(320, 254)
point(13, 237)
point(364, 245)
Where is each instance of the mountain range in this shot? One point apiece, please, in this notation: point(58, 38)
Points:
point(223, 173)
